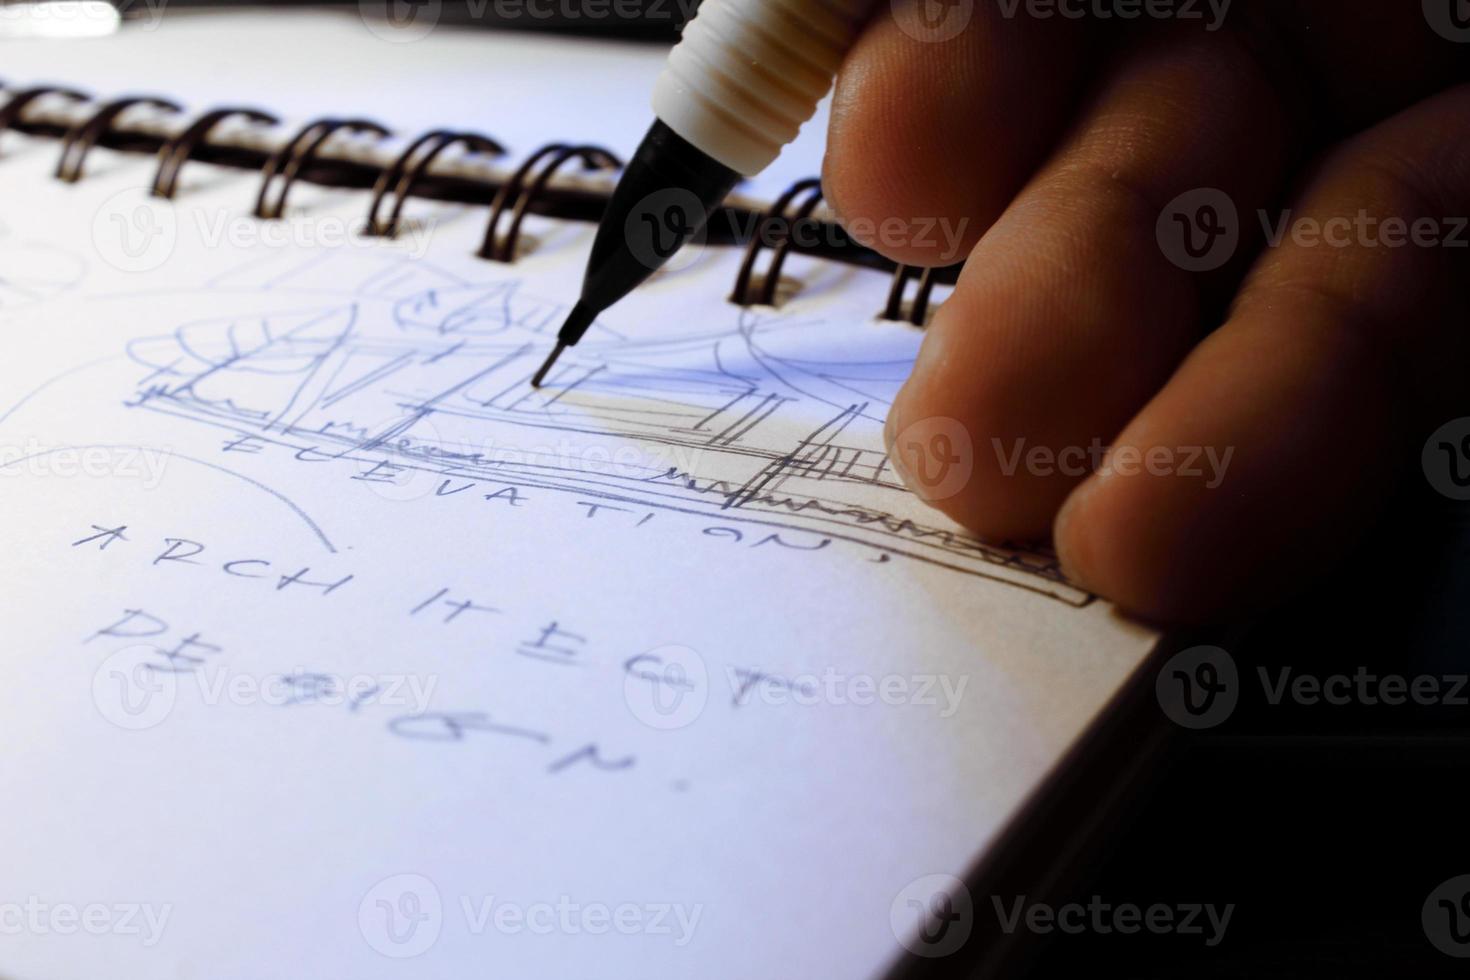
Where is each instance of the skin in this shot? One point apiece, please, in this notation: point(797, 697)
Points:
point(1321, 368)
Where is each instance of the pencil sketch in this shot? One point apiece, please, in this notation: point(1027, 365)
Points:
point(407, 369)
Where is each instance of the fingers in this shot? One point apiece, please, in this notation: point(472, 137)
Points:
point(1068, 315)
point(1342, 352)
point(938, 120)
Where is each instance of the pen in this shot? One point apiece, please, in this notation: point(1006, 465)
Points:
point(743, 78)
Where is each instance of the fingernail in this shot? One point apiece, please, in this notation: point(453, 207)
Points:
point(902, 418)
point(1067, 539)
point(893, 427)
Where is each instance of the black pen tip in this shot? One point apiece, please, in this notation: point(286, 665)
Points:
point(571, 331)
point(540, 374)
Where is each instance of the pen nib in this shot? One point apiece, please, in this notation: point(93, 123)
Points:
point(540, 374)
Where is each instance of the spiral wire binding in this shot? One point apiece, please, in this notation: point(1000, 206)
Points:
point(288, 161)
point(528, 188)
point(556, 154)
point(919, 311)
point(10, 113)
point(80, 139)
point(741, 295)
point(175, 153)
point(410, 166)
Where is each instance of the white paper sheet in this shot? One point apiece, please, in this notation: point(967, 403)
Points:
point(656, 672)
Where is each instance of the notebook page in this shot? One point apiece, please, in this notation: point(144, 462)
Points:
point(336, 650)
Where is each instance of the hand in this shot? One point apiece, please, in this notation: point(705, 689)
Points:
point(1259, 399)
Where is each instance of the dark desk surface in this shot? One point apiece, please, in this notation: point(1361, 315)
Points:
point(1327, 826)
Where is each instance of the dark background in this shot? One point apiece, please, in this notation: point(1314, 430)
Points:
point(1327, 826)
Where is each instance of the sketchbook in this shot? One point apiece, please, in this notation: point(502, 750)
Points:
point(334, 649)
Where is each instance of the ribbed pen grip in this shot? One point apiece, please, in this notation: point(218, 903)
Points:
point(748, 73)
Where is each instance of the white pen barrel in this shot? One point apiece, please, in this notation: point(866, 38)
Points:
point(747, 73)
